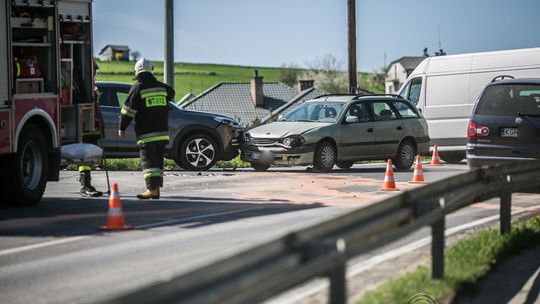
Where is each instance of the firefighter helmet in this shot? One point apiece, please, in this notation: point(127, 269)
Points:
point(143, 65)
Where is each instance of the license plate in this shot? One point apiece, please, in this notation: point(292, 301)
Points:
point(509, 132)
point(256, 155)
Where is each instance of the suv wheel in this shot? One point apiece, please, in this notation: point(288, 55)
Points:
point(345, 164)
point(260, 167)
point(452, 157)
point(325, 157)
point(198, 152)
point(405, 155)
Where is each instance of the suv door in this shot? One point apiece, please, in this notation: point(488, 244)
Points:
point(357, 138)
point(109, 109)
point(388, 128)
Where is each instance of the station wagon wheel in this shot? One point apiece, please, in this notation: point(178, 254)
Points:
point(325, 157)
point(198, 152)
point(405, 155)
point(452, 157)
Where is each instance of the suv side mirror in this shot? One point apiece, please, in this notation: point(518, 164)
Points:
point(351, 119)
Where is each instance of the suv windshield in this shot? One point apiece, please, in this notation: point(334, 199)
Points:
point(315, 111)
point(510, 100)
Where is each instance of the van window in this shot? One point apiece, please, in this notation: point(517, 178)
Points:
point(510, 99)
point(412, 90)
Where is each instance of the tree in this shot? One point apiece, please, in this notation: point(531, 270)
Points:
point(328, 73)
point(135, 55)
point(289, 73)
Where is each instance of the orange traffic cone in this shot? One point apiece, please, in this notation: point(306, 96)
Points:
point(418, 175)
point(435, 160)
point(115, 217)
point(389, 183)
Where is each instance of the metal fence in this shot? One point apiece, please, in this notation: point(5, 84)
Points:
point(323, 250)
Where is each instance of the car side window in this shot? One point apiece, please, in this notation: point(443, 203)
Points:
point(405, 110)
point(382, 111)
point(121, 96)
point(107, 98)
point(359, 110)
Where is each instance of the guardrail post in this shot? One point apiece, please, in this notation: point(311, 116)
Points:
point(437, 249)
point(506, 212)
point(338, 285)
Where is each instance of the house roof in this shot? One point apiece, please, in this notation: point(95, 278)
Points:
point(234, 100)
point(306, 94)
point(114, 47)
point(408, 62)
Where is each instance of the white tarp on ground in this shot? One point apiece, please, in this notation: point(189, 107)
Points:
point(81, 154)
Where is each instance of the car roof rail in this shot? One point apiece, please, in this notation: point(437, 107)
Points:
point(374, 94)
point(501, 77)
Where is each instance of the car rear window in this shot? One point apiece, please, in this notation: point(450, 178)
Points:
point(509, 100)
point(405, 110)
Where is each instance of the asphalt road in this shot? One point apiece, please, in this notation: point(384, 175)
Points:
point(53, 253)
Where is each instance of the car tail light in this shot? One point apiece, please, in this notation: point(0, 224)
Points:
point(474, 130)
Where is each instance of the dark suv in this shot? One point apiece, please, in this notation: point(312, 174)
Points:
point(505, 123)
point(198, 139)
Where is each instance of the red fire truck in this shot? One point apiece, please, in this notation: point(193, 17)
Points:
point(46, 91)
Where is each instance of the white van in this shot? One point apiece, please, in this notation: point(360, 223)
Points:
point(445, 89)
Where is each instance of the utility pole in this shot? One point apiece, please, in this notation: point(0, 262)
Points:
point(351, 9)
point(168, 64)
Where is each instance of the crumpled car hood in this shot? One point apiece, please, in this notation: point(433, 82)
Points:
point(280, 129)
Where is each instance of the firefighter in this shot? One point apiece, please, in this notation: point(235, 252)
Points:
point(85, 177)
point(147, 104)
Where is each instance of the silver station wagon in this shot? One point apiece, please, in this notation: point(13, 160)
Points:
point(340, 130)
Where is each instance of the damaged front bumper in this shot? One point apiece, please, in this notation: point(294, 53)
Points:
point(277, 155)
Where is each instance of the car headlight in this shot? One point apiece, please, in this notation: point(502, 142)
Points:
point(293, 141)
point(248, 139)
point(227, 121)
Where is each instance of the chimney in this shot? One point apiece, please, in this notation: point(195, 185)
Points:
point(304, 84)
point(257, 90)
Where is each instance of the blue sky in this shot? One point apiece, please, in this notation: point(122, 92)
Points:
point(277, 32)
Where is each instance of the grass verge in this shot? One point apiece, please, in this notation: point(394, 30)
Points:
point(134, 164)
point(465, 262)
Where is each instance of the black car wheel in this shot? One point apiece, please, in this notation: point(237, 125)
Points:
point(27, 169)
point(198, 152)
point(452, 157)
point(405, 155)
point(325, 157)
point(345, 164)
point(260, 167)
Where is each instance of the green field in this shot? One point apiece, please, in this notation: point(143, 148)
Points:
point(197, 78)
point(188, 77)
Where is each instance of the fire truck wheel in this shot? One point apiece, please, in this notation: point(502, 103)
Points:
point(29, 169)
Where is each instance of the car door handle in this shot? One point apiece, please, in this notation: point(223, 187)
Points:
point(399, 128)
point(370, 130)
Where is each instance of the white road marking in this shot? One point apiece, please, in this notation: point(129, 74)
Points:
point(353, 270)
point(150, 225)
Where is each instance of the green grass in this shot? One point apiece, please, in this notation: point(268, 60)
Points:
point(465, 262)
point(134, 164)
point(188, 77)
point(197, 78)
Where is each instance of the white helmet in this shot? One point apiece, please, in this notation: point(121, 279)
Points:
point(143, 65)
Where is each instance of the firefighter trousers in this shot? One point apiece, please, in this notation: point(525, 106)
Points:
point(152, 154)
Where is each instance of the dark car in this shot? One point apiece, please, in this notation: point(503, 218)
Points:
point(505, 123)
point(198, 139)
point(339, 130)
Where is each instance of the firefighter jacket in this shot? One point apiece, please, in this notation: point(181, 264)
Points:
point(147, 103)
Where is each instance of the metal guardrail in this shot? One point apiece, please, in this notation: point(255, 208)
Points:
point(323, 250)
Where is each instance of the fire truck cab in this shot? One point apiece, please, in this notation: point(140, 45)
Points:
point(46, 91)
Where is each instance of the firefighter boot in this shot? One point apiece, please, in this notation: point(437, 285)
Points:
point(87, 190)
point(150, 193)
